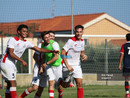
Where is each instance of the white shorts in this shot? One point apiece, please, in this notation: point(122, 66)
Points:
point(8, 71)
point(39, 80)
point(54, 73)
point(77, 73)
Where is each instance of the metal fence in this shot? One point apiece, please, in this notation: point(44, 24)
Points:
point(102, 58)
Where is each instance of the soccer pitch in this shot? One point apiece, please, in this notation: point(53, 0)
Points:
point(90, 91)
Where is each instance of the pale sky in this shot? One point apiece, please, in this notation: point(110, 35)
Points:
point(22, 10)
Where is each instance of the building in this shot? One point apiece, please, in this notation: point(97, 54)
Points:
point(94, 24)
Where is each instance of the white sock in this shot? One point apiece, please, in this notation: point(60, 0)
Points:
point(127, 92)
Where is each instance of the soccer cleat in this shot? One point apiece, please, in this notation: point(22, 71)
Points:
point(71, 85)
point(127, 96)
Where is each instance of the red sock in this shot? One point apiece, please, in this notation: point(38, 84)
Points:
point(7, 94)
point(25, 93)
point(80, 92)
point(51, 93)
point(60, 93)
point(13, 92)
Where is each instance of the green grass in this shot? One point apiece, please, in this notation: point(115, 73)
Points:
point(90, 91)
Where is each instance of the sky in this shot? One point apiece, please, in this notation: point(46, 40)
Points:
point(23, 10)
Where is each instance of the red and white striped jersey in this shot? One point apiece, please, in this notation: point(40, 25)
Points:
point(19, 47)
point(73, 48)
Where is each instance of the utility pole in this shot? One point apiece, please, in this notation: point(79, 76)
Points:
point(72, 17)
point(53, 9)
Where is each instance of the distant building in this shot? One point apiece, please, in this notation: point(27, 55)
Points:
point(94, 24)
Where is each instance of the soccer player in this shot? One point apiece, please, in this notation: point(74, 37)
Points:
point(71, 53)
point(125, 55)
point(15, 48)
point(39, 81)
point(52, 35)
point(60, 89)
point(36, 77)
point(53, 65)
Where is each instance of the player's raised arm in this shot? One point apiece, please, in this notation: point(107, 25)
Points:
point(44, 50)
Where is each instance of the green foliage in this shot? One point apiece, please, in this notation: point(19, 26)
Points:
point(6, 34)
point(9, 35)
point(1, 32)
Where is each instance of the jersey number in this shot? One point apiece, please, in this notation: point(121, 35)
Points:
point(13, 76)
point(128, 50)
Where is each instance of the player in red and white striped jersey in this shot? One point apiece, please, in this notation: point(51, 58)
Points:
point(15, 48)
point(71, 53)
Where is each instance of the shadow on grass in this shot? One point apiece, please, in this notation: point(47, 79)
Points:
point(105, 96)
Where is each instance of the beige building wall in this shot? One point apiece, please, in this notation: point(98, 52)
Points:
point(104, 27)
point(88, 79)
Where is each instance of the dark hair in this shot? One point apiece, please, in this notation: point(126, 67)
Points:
point(21, 26)
point(128, 37)
point(44, 33)
point(52, 32)
point(79, 26)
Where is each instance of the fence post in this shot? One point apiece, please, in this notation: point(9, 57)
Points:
point(106, 60)
point(29, 61)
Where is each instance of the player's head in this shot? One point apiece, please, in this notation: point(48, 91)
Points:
point(52, 35)
point(128, 37)
point(45, 36)
point(22, 30)
point(78, 31)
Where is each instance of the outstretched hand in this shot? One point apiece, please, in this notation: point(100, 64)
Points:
point(24, 63)
point(42, 68)
point(70, 68)
point(84, 58)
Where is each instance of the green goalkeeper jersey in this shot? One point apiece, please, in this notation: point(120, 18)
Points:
point(49, 56)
